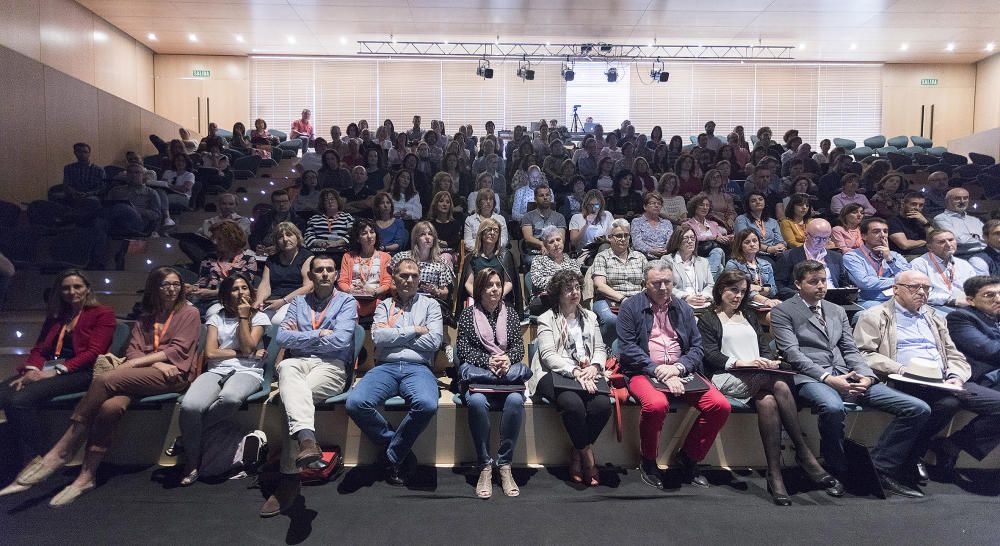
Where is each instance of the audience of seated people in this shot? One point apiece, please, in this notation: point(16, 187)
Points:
point(645, 306)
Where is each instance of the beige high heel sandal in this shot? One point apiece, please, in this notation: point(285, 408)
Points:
point(484, 488)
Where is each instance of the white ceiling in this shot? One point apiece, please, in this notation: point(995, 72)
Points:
point(826, 30)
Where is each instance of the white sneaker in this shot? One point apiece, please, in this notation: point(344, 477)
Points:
point(169, 222)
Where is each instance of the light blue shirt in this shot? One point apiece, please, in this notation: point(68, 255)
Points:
point(866, 277)
point(772, 231)
point(914, 337)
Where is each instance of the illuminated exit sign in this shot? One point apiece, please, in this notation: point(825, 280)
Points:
point(208, 74)
point(929, 81)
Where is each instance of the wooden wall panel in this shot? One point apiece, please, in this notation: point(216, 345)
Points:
point(21, 105)
point(70, 116)
point(178, 93)
point(988, 94)
point(953, 99)
point(67, 34)
point(118, 129)
point(145, 95)
point(114, 61)
point(19, 25)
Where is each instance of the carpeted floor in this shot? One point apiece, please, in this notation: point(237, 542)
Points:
point(141, 506)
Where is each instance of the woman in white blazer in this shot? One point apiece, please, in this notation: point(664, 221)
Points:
point(693, 281)
point(570, 346)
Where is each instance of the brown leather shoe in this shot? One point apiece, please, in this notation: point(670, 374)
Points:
point(309, 453)
point(283, 497)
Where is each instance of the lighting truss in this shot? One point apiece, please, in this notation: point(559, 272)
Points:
point(566, 52)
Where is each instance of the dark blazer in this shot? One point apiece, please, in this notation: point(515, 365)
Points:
point(976, 335)
point(811, 349)
point(91, 338)
point(635, 322)
point(711, 340)
point(783, 270)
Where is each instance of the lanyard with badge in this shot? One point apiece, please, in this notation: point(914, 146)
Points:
point(316, 321)
point(160, 329)
point(949, 278)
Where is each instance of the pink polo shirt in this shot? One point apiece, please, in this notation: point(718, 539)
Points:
point(302, 127)
point(664, 348)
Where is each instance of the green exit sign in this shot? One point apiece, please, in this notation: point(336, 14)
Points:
point(929, 81)
point(208, 74)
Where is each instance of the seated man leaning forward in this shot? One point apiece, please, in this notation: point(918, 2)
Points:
point(906, 340)
point(660, 340)
point(406, 334)
point(318, 337)
point(817, 342)
point(872, 266)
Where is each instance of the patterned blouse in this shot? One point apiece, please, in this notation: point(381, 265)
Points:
point(543, 268)
point(646, 237)
point(437, 273)
point(470, 348)
point(212, 271)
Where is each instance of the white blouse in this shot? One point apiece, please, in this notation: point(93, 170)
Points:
point(739, 340)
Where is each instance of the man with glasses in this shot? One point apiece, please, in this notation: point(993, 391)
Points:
point(318, 338)
point(407, 333)
point(967, 228)
point(818, 233)
point(946, 272)
point(976, 329)
point(893, 335)
point(659, 339)
point(816, 340)
point(872, 266)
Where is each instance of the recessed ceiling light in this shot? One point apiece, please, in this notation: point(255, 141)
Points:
point(100, 36)
point(239, 38)
point(343, 39)
point(854, 47)
point(547, 44)
point(990, 46)
point(151, 37)
point(192, 37)
point(904, 47)
point(291, 39)
point(802, 46)
point(950, 47)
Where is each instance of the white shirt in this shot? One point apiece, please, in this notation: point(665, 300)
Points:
point(967, 228)
point(591, 231)
point(410, 206)
point(946, 283)
point(739, 340)
point(228, 328)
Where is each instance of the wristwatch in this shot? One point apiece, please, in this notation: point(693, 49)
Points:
point(681, 370)
point(60, 369)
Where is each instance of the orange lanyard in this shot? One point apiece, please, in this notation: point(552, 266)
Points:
point(365, 269)
point(62, 334)
point(949, 278)
point(880, 266)
point(760, 226)
point(329, 224)
point(159, 329)
point(224, 271)
point(316, 321)
point(393, 315)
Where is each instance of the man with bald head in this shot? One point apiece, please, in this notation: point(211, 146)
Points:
point(891, 336)
point(946, 272)
point(818, 233)
point(967, 228)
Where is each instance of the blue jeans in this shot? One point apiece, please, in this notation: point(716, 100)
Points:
point(415, 382)
point(716, 261)
point(895, 444)
point(510, 424)
point(607, 320)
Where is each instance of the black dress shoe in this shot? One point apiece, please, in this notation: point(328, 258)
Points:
point(892, 485)
point(690, 470)
point(393, 474)
point(947, 454)
point(650, 473)
point(778, 499)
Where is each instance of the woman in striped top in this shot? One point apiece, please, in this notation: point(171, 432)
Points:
point(328, 230)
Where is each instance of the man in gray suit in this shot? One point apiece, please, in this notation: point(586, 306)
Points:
point(816, 339)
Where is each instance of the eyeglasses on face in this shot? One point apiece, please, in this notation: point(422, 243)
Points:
point(170, 285)
point(916, 287)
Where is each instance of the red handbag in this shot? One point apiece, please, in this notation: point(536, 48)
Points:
point(323, 470)
point(619, 391)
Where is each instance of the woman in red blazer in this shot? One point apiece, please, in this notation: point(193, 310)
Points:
point(76, 330)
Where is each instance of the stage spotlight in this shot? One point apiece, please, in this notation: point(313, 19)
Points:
point(567, 72)
point(524, 71)
point(612, 75)
point(664, 77)
point(484, 71)
point(658, 74)
point(605, 48)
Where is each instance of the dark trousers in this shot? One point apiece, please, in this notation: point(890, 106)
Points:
point(979, 437)
point(583, 414)
point(23, 407)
